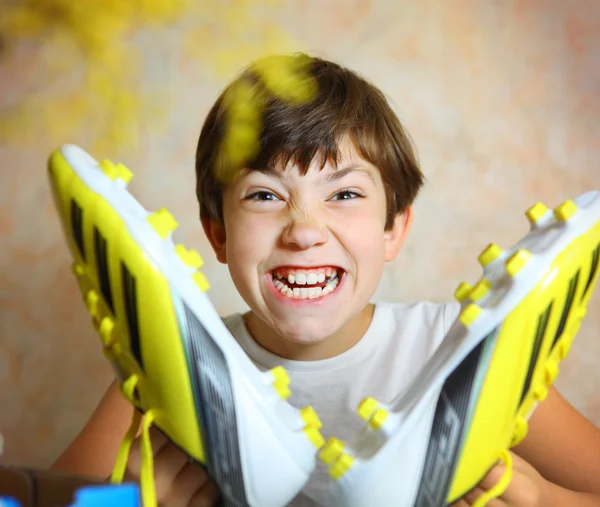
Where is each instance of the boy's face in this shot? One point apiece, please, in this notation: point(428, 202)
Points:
point(306, 253)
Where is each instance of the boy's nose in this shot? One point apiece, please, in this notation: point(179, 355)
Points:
point(304, 234)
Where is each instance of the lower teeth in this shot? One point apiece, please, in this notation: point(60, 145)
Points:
point(307, 292)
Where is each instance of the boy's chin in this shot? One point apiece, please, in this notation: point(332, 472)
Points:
point(309, 332)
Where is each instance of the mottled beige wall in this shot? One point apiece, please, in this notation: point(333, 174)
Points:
point(501, 99)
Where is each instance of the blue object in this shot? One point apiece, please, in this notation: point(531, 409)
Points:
point(121, 495)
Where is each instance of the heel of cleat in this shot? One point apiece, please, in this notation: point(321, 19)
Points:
point(163, 222)
point(489, 255)
point(565, 211)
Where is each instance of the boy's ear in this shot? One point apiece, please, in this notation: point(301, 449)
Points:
point(394, 237)
point(215, 232)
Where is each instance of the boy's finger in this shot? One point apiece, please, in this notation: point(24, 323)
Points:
point(474, 494)
point(168, 463)
point(157, 440)
point(208, 496)
point(190, 480)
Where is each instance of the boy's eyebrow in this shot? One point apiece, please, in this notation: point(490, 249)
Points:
point(336, 175)
point(341, 173)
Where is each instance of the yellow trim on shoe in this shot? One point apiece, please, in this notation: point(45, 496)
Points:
point(121, 463)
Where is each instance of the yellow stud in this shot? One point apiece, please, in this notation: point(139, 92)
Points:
point(124, 173)
point(332, 449)
point(190, 258)
point(517, 262)
point(315, 437)
point(280, 373)
point(489, 255)
point(469, 315)
point(109, 169)
point(366, 408)
point(201, 281)
point(565, 211)
point(551, 372)
point(341, 466)
point(109, 354)
point(91, 302)
point(540, 393)
point(480, 290)
point(536, 212)
point(77, 269)
point(282, 389)
point(462, 292)
point(311, 418)
point(163, 222)
point(379, 417)
point(564, 348)
point(105, 329)
point(520, 431)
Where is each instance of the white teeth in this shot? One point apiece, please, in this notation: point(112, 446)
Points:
point(317, 276)
point(306, 292)
point(312, 278)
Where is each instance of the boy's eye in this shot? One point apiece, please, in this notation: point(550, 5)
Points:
point(345, 195)
point(262, 195)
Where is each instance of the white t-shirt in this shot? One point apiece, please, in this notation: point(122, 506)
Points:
point(398, 342)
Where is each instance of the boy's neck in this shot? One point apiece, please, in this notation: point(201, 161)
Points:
point(333, 346)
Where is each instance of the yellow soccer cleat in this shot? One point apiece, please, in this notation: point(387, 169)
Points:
point(174, 358)
point(471, 401)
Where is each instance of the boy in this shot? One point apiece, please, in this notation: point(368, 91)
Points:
point(305, 229)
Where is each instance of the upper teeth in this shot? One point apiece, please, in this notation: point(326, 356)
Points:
point(307, 277)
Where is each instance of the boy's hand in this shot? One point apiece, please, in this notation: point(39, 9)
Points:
point(179, 483)
point(527, 487)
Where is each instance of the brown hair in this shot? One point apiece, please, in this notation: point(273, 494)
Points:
point(343, 104)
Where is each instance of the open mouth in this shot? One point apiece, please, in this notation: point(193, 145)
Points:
point(297, 283)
